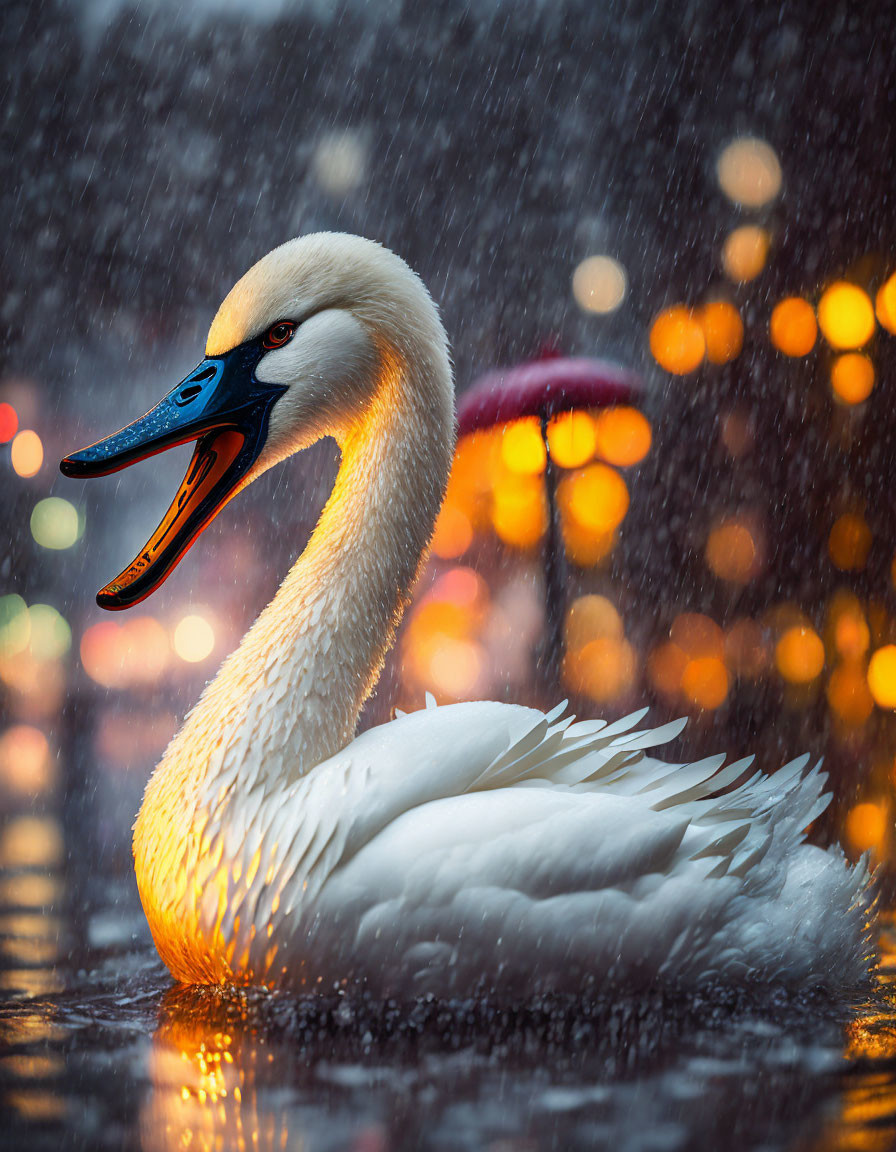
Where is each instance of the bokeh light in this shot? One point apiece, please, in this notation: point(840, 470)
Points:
point(677, 342)
point(599, 662)
point(749, 172)
point(849, 695)
point(27, 453)
point(51, 636)
point(123, 654)
point(723, 331)
point(852, 377)
point(799, 654)
point(792, 327)
point(9, 422)
point(691, 666)
point(845, 316)
point(731, 551)
point(866, 826)
point(744, 253)
point(453, 533)
point(572, 439)
point(55, 523)
point(27, 765)
point(704, 682)
point(885, 305)
point(15, 625)
point(849, 542)
point(596, 497)
point(522, 447)
point(623, 436)
point(599, 284)
point(520, 511)
point(193, 639)
point(339, 162)
point(882, 676)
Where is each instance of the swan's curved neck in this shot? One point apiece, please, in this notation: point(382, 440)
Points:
point(290, 695)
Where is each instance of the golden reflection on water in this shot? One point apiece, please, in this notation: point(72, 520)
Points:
point(207, 1070)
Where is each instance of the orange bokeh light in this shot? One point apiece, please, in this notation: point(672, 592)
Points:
point(27, 453)
point(677, 342)
point(453, 533)
point(848, 694)
point(882, 676)
point(731, 552)
point(120, 655)
point(866, 826)
point(519, 511)
point(623, 436)
point(604, 669)
point(723, 331)
point(705, 682)
point(799, 654)
point(885, 305)
point(745, 252)
point(849, 542)
point(852, 377)
point(792, 327)
point(845, 315)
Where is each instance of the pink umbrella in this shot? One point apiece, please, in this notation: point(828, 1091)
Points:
point(544, 388)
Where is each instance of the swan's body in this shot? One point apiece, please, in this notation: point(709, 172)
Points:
point(475, 846)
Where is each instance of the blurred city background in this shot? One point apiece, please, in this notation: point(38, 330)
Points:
point(702, 196)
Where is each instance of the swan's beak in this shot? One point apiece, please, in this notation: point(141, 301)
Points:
point(222, 406)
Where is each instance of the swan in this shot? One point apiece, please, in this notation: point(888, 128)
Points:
point(461, 849)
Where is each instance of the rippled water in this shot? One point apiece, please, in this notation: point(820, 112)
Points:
point(99, 1051)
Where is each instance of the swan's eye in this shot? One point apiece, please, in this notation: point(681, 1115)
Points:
point(278, 334)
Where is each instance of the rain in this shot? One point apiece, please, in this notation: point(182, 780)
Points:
point(695, 200)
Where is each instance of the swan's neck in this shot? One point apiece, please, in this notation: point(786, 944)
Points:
point(290, 695)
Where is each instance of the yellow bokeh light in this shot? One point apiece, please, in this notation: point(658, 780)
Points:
point(453, 533)
point(882, 676)
point(845, 316)
point(572, 438)
point(599, 284)
point(27, 453)
point(792, 327)
point(31, 842)
point(866, 826)
point(848, 694)
point(849, 542)
point(193, 639)
point(704, 682)
point(885, 305)
point(676, 340)
point(595, 497)
point(455, 667)
point(55, 523)
point(624, 436)
point(731, 552)
point(744, 253)
point(723, 331)
point(749, 172)
point(522, 447)
point(852, 377)
point(519, 511)
point(799, 654)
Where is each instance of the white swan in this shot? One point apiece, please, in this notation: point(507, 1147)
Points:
point(468, 847)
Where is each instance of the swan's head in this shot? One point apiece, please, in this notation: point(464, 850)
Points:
point(303, 346)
